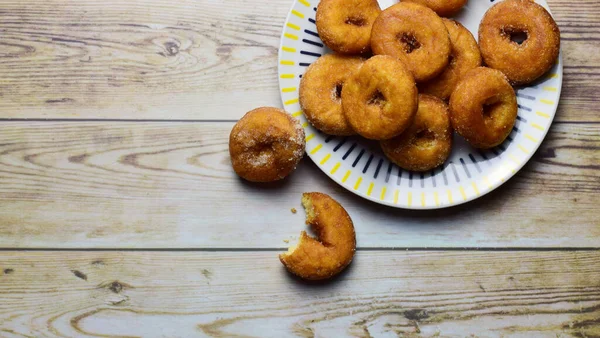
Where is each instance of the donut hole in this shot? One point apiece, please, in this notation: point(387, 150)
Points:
point(356, 21)
point(424, 138)
point(515, 35)
point(377, 99)
point(409, 42)
point(336, 92)
point(491, 111)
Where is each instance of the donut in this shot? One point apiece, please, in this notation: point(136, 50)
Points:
point(464, 56)
point(522, 62)
point(414, 34)
point(427, 143)
point(442, 7)
point(333, 249)
point(321, 92)
point(380, 99)
point(345, 25)
point(266, 145)
point(483, 107)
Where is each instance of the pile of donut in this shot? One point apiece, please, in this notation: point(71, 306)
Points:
point(422, 61)
point(398, 97)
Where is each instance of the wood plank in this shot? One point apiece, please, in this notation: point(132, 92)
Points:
point(170, 185)
point(383, 294)
point(189, 59)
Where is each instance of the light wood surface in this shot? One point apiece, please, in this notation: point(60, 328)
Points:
point(170, 185)
point(132, 104)
point(383, 294)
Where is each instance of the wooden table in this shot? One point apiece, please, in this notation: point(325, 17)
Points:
point(120, 214)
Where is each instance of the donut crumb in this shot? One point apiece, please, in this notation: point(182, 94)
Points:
point(293, 210)
point(286, 240)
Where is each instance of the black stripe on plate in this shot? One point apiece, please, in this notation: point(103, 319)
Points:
point(358, 158)
point(339, 145)
point(410, 179)
point(314, 43)
point(310, 53)
point(525, 96)
point(495, 152)
point(308, 31)
point(312, 20)
point(303, 64)
point(389, 172)
point(501, 147)
point(368, 164)
point(349, 151)
point(475, 162)
point(516, 129)
point(329, 138)
point(377, 169)
point(399, 176)
point(455, 172)
point(422, 180)
point(464, 165)
point(524, 108)
point(432, 175)
point(522, 119)
point(443, 170)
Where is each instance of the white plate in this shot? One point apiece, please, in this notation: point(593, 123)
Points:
point(359, 165)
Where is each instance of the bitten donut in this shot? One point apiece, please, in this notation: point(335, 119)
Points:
point(483, 107)
point(442, 7)
point(414, 34)
point(345, 25)
point(380, 99)
point(464, 56)
point(521, 62)
point(266, 145)
point(333, 249)
point(321, 92)
point(427, 143)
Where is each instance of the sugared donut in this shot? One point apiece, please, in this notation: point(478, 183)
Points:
point(380, 99)
point(345, 25)
point(442, 7)
point(266, 145)
point(333, 249)
point(414, 34)
point(427, 143)
point(483, 107)
point(464, 56)
point(521, 62)
point(321, 92)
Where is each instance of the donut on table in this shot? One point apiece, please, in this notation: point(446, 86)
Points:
point(483, 107)
point(522, 62)
point(464, 56)
point(321, 92)
point(333, 249)
point(345, 25)
point(427, 143)
point(380, 99)
point(266, 145)
point(414, 34)
point(442, 7)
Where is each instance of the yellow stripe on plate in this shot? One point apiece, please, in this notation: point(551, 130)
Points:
point(288, 89)
point(304, 2)
point(298, 113)
point(287, 62)
point(335, 168)
point(542, 114)
point(287, 76)
point(422, 199)
point(396, 193)
point(370, 190)
point(291, 36)
point(514, 159)
point(309, 137)
point(305, 124)
point(345, 178)
point(316, 149)
point(553, 76)
point(325, 159)
point(462, 193)
point(537, 126)
point(292, 26)
point(409, 199)
point(550, 89)
point(450, 196)
point(531, 138)
point(288, 49)
point(547, 101)
point(382, 196)
point(298, 14)
point(523, 149)
point(292, 101)
point(475, 188)
point(487, 182)
point(357, 184)
point(436, 198)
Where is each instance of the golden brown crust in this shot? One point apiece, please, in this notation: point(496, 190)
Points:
point(427, 143)
point(345, 25)
point(333, 250)
point(442, 7)
point(521, 63)
point(464, 56)
point(414, 34)
point(380, 99)
point(266, 145)
point(321, 89)
point(483, 107)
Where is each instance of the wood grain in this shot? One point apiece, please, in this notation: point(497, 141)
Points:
point(188, 59)
point(170, 185)
point(382, 294)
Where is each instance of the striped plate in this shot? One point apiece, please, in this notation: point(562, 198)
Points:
point(359, 166)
